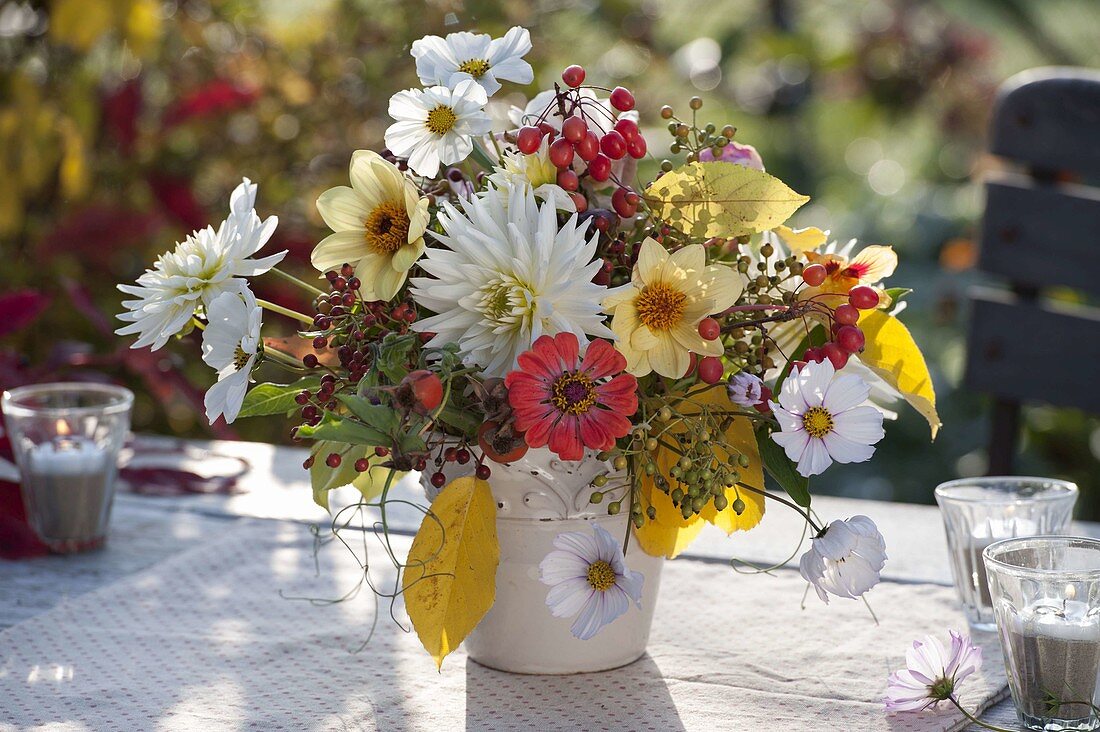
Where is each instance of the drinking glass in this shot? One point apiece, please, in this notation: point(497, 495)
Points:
point(979, 511)
point(1046, 597)
point(66, 439)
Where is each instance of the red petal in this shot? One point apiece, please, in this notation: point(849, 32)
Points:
point(620, 395)
point(602, 359)
point(565, 440)
point(593, 433)
point(539, 362)
point(539, 433)
point(568, 349)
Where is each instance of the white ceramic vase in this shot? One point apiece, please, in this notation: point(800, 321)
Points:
point(539, 497)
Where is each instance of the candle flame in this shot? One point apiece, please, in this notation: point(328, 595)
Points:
point(62, 428)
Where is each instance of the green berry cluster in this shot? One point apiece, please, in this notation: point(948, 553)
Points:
point(691, 138)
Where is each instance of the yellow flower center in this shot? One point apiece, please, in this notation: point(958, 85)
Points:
point(573, 393)
point(441, 120)
point(475, 67)
point(240, 358)
point(660, 306)
point(817, 421)
point(387, 227)
point(601, 576)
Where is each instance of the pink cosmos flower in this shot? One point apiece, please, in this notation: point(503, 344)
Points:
point(568, 403)
point(931, 673)
point(734, 152)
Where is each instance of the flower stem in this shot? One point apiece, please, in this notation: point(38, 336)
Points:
point(785, 502)
point(198, 323)
point(294, 280)
point(974, 719)
point(283, 359)
point(267, 305)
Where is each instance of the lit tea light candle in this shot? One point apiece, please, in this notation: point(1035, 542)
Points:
point(1056, 642)
point(67, 483)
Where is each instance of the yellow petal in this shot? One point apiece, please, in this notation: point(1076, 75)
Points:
point(643, 339)
point(668, 357)
point(406, 256)
point(723, 285)
point(801, 240)
point(365, 180)
point(880, 262)
point(651, 260)
point(343, 209)
point(335, 249)
point(692, 258)
point(417, 209)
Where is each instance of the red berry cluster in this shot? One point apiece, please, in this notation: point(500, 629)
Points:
point(847, 337)
point(591, 138)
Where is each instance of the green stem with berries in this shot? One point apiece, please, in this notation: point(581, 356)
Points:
point(268, 305)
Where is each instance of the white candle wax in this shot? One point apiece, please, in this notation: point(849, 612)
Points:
point(1068, 620)
point(67, 457)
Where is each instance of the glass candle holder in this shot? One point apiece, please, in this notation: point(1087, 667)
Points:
point(980, 511)
point(66, 439)
point(1046, 598)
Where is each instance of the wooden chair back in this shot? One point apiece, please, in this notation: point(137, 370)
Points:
point(1040, 233)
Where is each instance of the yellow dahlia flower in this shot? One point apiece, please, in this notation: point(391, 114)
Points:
point(379, 225)
point(656, 317)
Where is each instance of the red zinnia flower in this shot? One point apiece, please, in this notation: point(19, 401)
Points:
point(568, 403)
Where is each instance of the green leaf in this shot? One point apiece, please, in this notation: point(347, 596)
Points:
point(339, 429)
point(721, 199)
point(782, 469)
point(393, 355)
point(378, 416)
point(323, 478)
point(897, 293)
point(461, 419)
point(269, 398)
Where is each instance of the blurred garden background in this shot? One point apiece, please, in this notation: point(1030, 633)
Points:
point(125, 124)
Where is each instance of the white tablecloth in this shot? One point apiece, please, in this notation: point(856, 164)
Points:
point(208, 640)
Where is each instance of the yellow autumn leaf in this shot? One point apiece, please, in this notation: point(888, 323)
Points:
point(801, 240)
point(450, 576)
point(721, 199)
point(891, 352)
point(670, 533)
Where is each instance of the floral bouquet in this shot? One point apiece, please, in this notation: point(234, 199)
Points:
point(493, 289)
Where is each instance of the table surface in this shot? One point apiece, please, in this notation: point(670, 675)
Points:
point(148, 530)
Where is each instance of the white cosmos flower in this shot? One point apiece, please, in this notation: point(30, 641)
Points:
point(588, 577)
point(534, 170)
point(508, 275)
point(822, 419)
point(202, 267)
point(846, 559)
point(475, 56)
point(230, 345)
point(436, 125)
